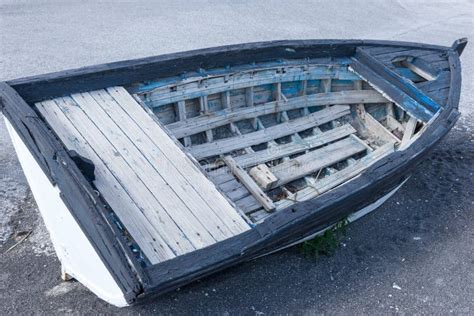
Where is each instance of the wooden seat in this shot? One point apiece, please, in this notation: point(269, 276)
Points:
point(161, 197)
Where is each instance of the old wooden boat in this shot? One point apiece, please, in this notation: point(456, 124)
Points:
point(154, 172)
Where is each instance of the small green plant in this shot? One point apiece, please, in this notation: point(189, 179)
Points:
point(326, 243)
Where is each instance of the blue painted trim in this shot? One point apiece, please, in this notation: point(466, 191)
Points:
point(151, 85)
point(400, 98)
point(395, 79)
point(403, 92)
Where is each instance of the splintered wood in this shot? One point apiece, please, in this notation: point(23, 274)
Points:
point(263, 176)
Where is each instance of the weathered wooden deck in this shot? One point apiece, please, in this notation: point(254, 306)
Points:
point(267, 137)
point(162, 198)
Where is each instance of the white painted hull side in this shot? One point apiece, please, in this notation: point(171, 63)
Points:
point(78, 257)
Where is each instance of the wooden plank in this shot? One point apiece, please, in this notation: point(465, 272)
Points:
point(237, 192)
point(381, 50)
point(247, 181)
point(409, 131)
point(442, 81)
point(182, 117)
point(390, 109)
point(270, 133)
point(315, 160)
point(201, 87)
point(362, 142)
point(360, 107)
point(440, 96)
point(393, 124)
point(225, 99)
point(220, 206)
point(378, 130)
point(338, 178)
point(280, 151)
point(327, 83)
point(204, 108)
point(220, 175)
point(121, 170)
point(86, 108)
point(201, 123)
point(230, 185)
point(158, 159)
point(420, 71)
point(415, 53)
point(139, 221)
point(248, 204)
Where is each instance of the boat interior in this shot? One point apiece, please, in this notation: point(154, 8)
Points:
point(188, 161)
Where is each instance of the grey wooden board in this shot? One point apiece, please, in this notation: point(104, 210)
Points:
point(331, 181)
point(197, 87)
point(218, 207)
point(339, 177)
point(409, 131)
point(138, 220)
point(220, 175)
point(250, 184)
point(316, 160)
point(141, 166)
point(144, 167)
point(185, 183)
point(204, 122)
point(238, 192)
point(378, 130)
point(248, 204)
point(292, 148)
point(440, 96)
point(270, 133)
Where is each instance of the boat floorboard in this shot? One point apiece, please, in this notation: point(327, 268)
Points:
point(160, 196)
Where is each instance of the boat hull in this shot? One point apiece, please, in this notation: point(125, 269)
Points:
point(82, 227)
point(72, 246)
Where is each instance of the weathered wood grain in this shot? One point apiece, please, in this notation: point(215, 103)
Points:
point(223, 117)
point(248, 182)
point(270, 133)
point(218, 206)
point(137, 219)
point(280, 151)
point(315, 160)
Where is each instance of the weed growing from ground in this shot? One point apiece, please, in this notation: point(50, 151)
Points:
point(326, 243)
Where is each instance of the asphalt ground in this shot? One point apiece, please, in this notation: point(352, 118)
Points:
point(414, 255)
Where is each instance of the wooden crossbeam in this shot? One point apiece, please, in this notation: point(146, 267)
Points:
point(319, 187)
point(409, 131)
point(248, 182)
point(284, 129)
point(378, 130)
point(201, 123)
point(315, 160)
point(280, 151)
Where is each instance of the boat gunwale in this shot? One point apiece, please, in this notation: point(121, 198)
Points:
point(39, 87)
point(163, 277)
